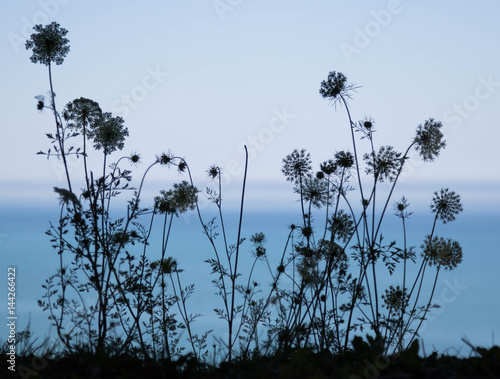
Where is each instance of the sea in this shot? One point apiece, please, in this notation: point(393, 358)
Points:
point(469, 296)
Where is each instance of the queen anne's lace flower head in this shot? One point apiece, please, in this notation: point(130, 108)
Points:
point(48, 44)
point(335, 88)
point(316, 191)
point(384, 164)
point(446, 205)
point(297, 166)
point(442, 253)
point(429, 140)
point(82, 113)
point(213, 171)
point(344, 159)
point(395, 299)
point(180, 199)
point(108, 133)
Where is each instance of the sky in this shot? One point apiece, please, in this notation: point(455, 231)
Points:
point(204, 78)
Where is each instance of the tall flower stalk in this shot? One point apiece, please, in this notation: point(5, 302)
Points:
point(99, 246)
point(386, 164)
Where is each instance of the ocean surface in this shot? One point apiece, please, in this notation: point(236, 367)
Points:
point(469, 295)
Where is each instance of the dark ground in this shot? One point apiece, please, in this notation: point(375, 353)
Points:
point(299, 364)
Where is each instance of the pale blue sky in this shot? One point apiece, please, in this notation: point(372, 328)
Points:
point(205, 77)
point(221, 72)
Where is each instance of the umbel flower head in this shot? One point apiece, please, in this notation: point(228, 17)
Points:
point(366, 127)
point(327, 167)
point(401, 206)
point(395, 298)
point(383, 165)
point(315, 191)
point(108, 133)
point(297, 166)
point(335, 87)
point(48, 44)
point(442, 253)
point(344, 159)
point(429, 140)
point(446, 205)
point(166, 159)
point(135, 158)
point(82, 113)
point(177, 200)
point(258, 240)
point(341, 225)
point(214, 171)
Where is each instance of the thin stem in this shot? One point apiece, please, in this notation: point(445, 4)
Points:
point(219, 206)
point(183, 310)
point(274, 288)
point(427, 307)
point(327, 205)
point(354, 295)
point(60, 132)
point(403, 160)
point(351, 123)
point(235, 274)
point(212, 242)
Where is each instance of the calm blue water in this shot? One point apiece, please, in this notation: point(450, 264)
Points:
point(469, 295)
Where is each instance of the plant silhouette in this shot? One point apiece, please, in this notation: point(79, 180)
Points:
point(324, 285)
